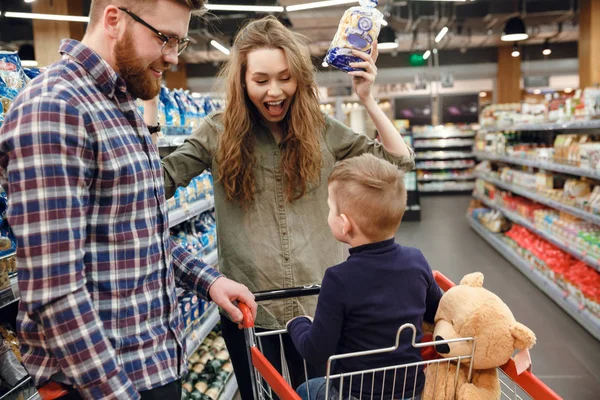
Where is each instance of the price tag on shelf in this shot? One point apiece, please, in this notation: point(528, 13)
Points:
point(581, 307)
point(565, 294)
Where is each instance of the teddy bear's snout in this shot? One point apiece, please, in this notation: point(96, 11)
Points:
point(441, 348)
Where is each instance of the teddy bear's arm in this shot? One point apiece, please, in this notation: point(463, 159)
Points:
point(484, 386)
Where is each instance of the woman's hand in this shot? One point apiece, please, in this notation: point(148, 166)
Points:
point(362, 81)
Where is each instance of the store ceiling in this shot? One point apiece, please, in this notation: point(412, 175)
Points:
point(473, 25)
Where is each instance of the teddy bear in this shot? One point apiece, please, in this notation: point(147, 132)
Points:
point(469, 310)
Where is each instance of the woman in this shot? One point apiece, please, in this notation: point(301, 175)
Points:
point(271, 152)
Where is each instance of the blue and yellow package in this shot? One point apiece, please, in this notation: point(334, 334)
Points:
point(358, 29)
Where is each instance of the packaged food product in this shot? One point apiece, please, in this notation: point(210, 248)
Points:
point(358, 29)
point(11, 71)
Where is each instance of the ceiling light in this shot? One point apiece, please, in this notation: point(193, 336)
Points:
point(318, 4)
point(537, 91)
point(515, 51)
point(568, 90)
point(219, 47)
point(547, 51)
point(514, 30)
point(236, 7)
point(482, 94)
point(435, 51)
point(426, 55)
point(29, 63)
point(48, 17)
point(29, 1)
point(441, 35)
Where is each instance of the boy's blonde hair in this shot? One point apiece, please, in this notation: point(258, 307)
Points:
point(372, 192)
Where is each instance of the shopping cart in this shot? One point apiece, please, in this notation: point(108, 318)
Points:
point(268, 383)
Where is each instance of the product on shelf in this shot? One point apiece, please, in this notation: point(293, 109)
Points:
point(357, 30)
point(579, 280)
point(209, 369)
point(11, 370)
point(192, 309)
point(198, 235)
point(200, 188)
point(494, 221)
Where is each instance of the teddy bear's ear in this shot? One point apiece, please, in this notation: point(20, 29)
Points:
point(474, 280)
point(524, 337)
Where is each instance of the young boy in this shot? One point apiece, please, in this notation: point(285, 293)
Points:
point(364, 300)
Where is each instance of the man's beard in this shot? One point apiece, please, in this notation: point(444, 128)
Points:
point(140, 83)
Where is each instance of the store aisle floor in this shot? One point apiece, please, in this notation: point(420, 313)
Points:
point(566, 357)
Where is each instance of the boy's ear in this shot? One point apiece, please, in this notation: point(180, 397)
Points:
point(347, 225)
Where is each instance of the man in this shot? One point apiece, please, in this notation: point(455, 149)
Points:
point(96, 266)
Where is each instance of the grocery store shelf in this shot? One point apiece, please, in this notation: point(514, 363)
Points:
point(205, 325)
point(442, 143)
point(12, 393)
point(8, 255)
point(583, 316)
point(171, 141)
point(442, 178)
point(459, 187)
point(443, 155)
point(446, 165)
point(189, 211)
point(230, 389)
point(542, 199)
point(593, 124)
point(593, 262)
point(545, 165)
point(211, 258)
point(444, 135)
point(7, 295)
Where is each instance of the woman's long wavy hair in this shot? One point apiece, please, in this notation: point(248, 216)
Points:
point(303, 124)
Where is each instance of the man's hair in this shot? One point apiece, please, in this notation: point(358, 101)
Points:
point(97, 7)
point(372, 193)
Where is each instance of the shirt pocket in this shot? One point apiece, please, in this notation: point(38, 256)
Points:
point(261, 174)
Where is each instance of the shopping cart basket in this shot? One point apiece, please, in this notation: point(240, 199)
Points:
point(267, 382)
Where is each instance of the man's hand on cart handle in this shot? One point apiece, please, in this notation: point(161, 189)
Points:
point(224, 292)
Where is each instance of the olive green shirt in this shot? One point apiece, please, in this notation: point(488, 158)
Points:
point(273, 244)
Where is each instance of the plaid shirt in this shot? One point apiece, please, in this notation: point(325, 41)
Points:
point(97, 269)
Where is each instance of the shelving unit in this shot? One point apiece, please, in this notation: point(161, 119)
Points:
point(444, 148)
point(532, 195)
point(558, 242)
point(583, 316)
point(541, 164)
point(230, 389)
point(552, 126)
point(194, 337)
point(189, 211)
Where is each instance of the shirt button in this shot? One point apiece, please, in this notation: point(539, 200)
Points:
point(276, 153)
point(278, 179)
point(281, 207)
point(284, 233)
point(286, 258)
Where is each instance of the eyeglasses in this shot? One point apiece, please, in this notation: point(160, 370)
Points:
point(169, 42)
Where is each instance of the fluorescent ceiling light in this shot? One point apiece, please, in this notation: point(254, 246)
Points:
point(537, 91)
point(29, 63)
point(318, 4)
point(219, 47)
point(426, 55)
point(29, 1)
point(387, 46)
point(568, 90)
point(441, 35)
point(48, 17)
point(236, 7)
point(482, 94)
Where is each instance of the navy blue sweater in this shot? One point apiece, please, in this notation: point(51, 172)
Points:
point(363, 302)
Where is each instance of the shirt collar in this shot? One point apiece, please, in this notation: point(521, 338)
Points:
point(373, 246)
point(105, 77)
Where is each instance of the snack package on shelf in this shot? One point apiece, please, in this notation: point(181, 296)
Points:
point(192, 309)
point(198, 236)
point(580, 281)
point(11, 71)
point(357, 30)
point(209, 369)
point(199, 188)
point(493, 220)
